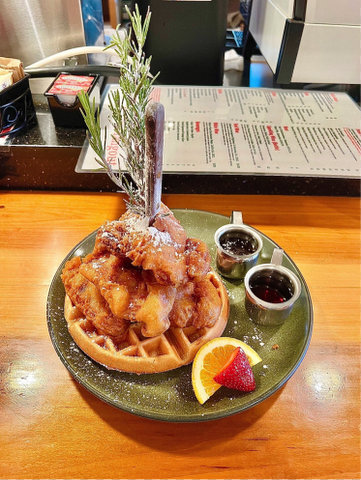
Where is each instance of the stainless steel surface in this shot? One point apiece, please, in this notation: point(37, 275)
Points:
point(261, 311)
point(34, 29)
point(231, 265)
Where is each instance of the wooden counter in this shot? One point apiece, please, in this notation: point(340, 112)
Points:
point(51, 427)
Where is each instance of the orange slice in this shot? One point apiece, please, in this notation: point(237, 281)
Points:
point(210, 360)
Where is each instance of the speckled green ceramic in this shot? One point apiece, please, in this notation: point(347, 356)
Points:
point(169, 396)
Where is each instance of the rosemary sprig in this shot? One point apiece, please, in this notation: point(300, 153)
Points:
point(127, 105)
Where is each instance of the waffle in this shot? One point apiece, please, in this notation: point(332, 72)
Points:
point(139, 354)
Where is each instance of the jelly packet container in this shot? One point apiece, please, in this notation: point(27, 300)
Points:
point(63, 100)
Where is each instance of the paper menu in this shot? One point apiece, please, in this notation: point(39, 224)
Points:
point(253, 131)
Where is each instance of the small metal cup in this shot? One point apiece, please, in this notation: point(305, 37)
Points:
point(229, 264)
point(263, 312)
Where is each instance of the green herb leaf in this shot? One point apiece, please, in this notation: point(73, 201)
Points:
point(127, 106)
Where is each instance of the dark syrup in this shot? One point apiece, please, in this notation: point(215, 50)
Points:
point(238, 243)
point(270, 293)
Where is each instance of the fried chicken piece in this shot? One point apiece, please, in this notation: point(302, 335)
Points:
point(155, 310)
point(87, 298)
point(184, 307)
point(163, 259)
point(153, 275)
point(197, 304)
point(162, 248)
point(197, 258)
point(208, 302)
point(130, 294)
point(123, 288)
point(165, 221)
point(161, 251)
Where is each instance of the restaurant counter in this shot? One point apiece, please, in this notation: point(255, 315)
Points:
point(53, 427)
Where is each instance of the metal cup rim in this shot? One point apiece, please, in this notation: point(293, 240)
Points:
point(235, 226)
point(286, 271)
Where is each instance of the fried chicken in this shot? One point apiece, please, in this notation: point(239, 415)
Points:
point(90, 302)
point(162, 248)
point(153, 275)
point(197, 258)
point(123, 288)
point(196, 304)
point(154, 313)
point(208, 304)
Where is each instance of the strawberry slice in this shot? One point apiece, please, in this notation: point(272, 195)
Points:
point(237, 373)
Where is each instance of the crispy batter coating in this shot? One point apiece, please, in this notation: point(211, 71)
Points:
point(165, 221)
point(153, 275)
point(197, 304)
point(208, 304)
point(88, 299)
point(123, 288)
point(154, 313)
point(162, 248)
point(184, 307)
point(197, 258)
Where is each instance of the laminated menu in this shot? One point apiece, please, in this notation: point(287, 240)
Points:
point(251, 131)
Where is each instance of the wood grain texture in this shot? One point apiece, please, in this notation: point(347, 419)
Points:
point(51, 427)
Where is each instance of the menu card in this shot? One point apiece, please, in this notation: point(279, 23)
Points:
point(251, 131)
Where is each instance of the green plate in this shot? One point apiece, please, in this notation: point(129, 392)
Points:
point(169, 396)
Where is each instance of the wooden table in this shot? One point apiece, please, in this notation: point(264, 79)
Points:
point(50, 427)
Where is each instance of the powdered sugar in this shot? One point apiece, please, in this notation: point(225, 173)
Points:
point(136, 223)
point(159, 238)
point(96, 264)
point(108, 235)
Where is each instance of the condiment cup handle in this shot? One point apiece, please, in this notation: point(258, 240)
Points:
point(277, 256)
point(237, 218)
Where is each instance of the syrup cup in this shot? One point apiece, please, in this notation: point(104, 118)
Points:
point(271, 291)
point(235, 265)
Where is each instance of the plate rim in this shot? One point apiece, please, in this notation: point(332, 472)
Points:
point(181, 418)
